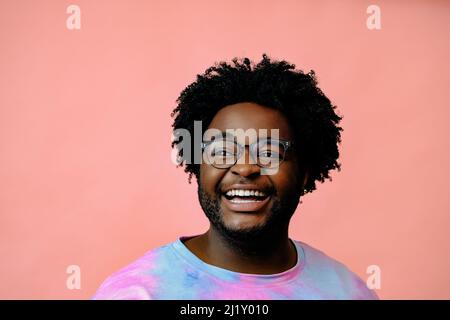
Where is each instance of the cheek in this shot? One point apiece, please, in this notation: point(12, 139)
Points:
point(210, 177)
point(287, 179)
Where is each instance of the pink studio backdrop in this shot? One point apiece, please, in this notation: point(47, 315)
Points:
point(86, 176)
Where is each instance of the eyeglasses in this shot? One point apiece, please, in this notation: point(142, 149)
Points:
point(224, 153)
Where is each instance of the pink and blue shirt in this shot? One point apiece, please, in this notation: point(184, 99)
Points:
point(173, 272)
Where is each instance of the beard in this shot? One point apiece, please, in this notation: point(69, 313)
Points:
point(257, 239)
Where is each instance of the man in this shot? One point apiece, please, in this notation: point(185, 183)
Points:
point(249, 186)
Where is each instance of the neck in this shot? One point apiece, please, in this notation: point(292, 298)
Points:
point(264, 255)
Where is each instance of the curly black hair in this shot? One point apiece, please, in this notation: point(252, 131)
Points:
point(274, 84)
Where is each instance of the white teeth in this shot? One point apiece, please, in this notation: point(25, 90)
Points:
point(245, 193)
point(243, 201)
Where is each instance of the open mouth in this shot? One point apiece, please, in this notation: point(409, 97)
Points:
point(245, 200)
point(244, 196)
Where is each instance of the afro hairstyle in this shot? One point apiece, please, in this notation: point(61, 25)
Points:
point(274, 84)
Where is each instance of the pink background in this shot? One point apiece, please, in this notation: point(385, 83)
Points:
point(85, 170)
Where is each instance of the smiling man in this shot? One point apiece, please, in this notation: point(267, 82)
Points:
point(249, 186)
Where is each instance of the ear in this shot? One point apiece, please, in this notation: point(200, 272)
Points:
point(305, 179)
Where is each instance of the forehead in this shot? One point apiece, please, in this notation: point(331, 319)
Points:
point(249, 115)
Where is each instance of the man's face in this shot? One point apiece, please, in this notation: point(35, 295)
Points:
point(242, 219)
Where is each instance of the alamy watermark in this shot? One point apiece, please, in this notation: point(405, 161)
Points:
point(374, 279)
point(73, 281)
point(373, 21)
point(73, 21)
point(226, 147)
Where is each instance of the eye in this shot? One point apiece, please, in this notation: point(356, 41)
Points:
point(269, 154)
point(223, 149)
point(222, 153)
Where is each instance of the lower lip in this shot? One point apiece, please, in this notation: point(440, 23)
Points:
point(245, 206)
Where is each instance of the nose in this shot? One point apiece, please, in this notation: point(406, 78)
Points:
point(246, 168)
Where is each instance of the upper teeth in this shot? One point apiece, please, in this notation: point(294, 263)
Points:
point(245, 193)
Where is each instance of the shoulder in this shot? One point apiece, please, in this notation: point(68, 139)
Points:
point(333, 276)
point(136, 280)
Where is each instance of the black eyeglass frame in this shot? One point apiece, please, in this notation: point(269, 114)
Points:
point(286, 144)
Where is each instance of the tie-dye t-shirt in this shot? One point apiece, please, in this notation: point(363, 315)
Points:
point(173, 272)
